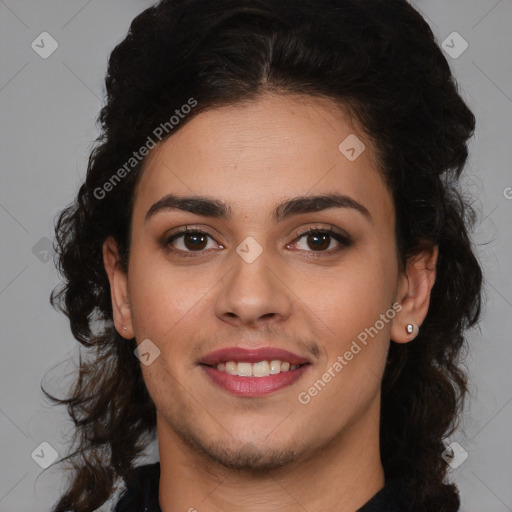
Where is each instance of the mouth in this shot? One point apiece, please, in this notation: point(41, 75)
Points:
point(256, 372)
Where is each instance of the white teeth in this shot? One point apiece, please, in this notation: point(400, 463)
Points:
point(231, 367)
point(244, 369)
point(275, 367)
point(259, 369)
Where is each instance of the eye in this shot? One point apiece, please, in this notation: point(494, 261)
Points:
point(322, 240)
point(315, 240)
point(190, 240)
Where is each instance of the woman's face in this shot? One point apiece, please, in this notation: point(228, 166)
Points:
point(254, 282)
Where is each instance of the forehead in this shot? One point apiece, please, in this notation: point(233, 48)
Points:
point(255, 154)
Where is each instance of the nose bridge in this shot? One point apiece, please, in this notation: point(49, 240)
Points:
point(253, 289)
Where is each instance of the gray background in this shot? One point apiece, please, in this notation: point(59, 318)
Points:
point(48, 111)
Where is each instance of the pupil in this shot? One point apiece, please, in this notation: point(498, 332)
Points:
point(198, 241)
point(314, 239)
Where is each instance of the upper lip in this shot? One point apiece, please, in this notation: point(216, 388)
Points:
point(240, 354)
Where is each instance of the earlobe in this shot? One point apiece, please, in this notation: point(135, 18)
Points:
point(413, 293)
point(118, 279)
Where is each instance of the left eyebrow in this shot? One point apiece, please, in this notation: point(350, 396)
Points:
point(308, 204)
point(209, 207)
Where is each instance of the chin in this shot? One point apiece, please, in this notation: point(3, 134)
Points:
point(248, 458)
point(239, 455)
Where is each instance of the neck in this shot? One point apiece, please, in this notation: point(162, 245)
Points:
point(343, 475)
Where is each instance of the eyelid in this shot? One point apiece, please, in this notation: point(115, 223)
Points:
point(168, 238)
point(329, 228)
point(341, 236)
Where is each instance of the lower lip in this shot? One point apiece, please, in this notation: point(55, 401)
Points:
point(254, 386)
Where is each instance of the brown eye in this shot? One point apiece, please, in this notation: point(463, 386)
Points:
point(188, 241)
point(318, 241)
point(195, 241)
point(322, 241)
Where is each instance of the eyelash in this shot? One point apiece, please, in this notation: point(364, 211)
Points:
point(344, 240)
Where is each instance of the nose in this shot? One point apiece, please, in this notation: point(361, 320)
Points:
point(254, 294)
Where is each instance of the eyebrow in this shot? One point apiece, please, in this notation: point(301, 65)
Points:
point(210, 207)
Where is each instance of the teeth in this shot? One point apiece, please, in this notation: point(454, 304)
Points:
point(260, 369)
point(275, 367)
point(244, 369)
point(231, 367)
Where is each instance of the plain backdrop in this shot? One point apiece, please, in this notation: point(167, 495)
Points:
point(48, 112)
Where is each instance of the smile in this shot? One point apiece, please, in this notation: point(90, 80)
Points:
point(253, 372)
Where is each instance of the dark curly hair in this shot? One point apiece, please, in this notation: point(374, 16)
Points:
point(376, 58)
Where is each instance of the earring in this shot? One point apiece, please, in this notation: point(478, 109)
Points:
point(409, 328)
point(124, 327)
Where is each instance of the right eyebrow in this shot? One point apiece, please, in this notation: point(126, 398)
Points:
point(197, 205)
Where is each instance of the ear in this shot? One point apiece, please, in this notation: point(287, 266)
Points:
point(413, 294)
point(118, 289)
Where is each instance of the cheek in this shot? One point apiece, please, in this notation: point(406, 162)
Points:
point(347, 306)
point(350, 298)
point(353, 338)
point(165, 300)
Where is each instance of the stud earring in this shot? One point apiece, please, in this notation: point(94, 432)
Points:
point(124, 327)
point(409, 328)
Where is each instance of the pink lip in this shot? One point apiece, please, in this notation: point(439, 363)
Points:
point(254, 386)
point(238, 354)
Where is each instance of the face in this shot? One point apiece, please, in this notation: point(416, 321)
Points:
point(297, 298)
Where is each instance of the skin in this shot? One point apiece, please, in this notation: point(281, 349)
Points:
point(220, 452)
